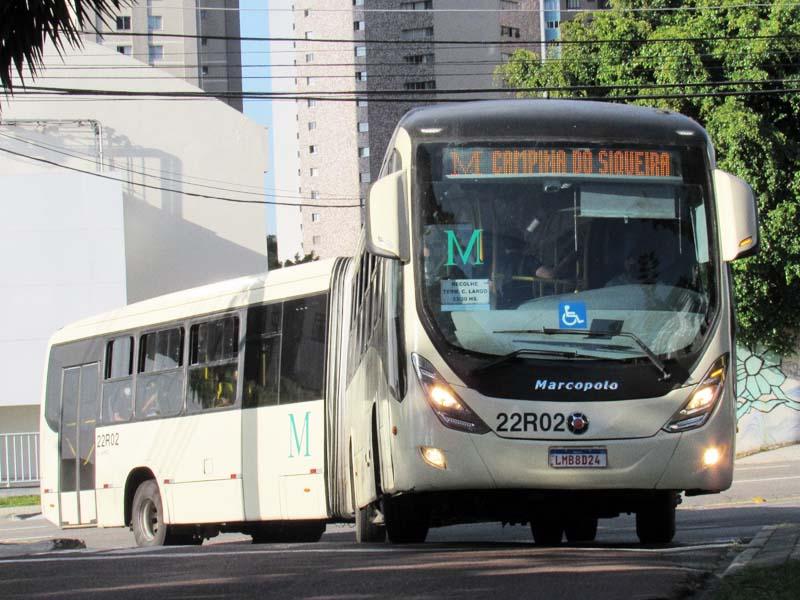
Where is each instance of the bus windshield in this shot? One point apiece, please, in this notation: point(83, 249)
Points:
point(518, 245)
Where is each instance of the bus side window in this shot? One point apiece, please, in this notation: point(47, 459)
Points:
point(159, 385)
point(303, 349)
point(213, 363)
point(117, 404)
point(262, 355)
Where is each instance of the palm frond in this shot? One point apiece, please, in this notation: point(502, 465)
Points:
point(26, 25)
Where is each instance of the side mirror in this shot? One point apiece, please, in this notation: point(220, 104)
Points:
point(737, 216)
point(386, 222)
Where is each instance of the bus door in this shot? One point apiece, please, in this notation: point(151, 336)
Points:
point(79, 408)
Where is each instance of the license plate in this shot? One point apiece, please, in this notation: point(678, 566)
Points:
point(578, 458)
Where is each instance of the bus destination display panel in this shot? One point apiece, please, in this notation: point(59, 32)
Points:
point(486, 162)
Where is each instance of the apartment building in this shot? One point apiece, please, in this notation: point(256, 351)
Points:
point(202, 60)
point(391, 48)
point(554, 12)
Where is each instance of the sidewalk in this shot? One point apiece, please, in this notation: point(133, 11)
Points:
point(774, 545)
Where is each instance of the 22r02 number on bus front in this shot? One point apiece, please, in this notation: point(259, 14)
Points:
point(516, 422)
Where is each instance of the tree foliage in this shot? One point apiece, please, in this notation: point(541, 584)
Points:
point(299, 260)
point(756, 136)
point(26, 25)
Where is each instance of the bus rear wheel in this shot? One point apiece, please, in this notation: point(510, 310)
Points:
point(407, 520)
point(147, 519)
point(655, 522)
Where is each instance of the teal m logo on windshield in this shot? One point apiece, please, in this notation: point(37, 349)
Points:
point(475, 243)
point(296, 442)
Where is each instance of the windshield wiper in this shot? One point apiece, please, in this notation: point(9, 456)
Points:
point(665, 375)
point(523, 351)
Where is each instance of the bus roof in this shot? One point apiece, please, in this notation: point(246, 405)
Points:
point(288, 282)
point(579, 120)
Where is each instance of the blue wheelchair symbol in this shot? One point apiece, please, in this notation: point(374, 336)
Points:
point(572, 315)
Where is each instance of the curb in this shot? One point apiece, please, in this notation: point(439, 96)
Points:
point(9, 512)
point(749, 553)
point(55, 544)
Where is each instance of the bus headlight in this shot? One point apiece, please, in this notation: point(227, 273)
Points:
point(448, 407)
point(702, 400)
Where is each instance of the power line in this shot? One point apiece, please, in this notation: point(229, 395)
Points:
point(183, 181)
point(512, 11)
point(417, 101)
point(163, 189)
point(457, 43)
point(369, 64)
point(366, 93)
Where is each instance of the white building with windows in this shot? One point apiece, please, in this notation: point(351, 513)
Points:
point(114, 200)
point(331, 149)
point(207, 56)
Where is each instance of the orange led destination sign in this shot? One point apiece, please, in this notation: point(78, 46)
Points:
point(511, 162)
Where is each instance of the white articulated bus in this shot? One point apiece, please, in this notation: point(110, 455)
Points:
point(194, 413)
point(537, 327)
point(549, 336)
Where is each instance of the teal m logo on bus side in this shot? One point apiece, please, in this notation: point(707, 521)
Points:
point(297, 443)
point(475, 242)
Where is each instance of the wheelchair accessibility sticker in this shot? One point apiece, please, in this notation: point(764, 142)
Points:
point(572, 315)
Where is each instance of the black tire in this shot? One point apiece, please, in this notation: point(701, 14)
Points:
point(655, 523)
point(283, 532)
point(367, 532)
point(547, 532)
point(581, 529)
point(183, 537)
point(147, 516)
point(407, 520)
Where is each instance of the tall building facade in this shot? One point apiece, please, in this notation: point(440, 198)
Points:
point(202, 58)
point(555, 12)
point(424, 50)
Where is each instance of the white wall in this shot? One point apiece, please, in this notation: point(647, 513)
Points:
point(74, 244)
point(62, 244)
point(194, 146)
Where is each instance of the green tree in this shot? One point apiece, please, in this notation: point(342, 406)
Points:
point(299, 260)
point(272, 253)
point(756, 134)
point(26, 25)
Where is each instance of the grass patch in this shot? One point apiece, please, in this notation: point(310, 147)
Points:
point(762, 583)
point(7, 501)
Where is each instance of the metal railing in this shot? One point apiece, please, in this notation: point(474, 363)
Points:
point(19, 459)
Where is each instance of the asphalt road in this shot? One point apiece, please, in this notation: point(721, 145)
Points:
point(459, 561)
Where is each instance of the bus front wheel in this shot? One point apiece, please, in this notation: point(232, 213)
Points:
point(407, 520)
point(655, 522)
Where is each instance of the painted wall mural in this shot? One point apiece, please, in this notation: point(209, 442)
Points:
point(768, 404)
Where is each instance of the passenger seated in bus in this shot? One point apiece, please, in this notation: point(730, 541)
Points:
point(121, 406)
point(226, 392)
point(150, 407)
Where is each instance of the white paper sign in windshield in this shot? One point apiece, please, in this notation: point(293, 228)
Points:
point(465, 294)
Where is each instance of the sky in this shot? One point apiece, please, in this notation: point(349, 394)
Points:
point(256, 23)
